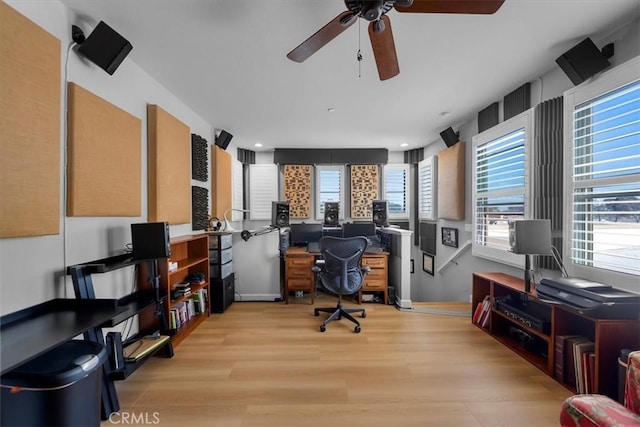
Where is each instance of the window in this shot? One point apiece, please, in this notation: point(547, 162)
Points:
point(396, 190)
point(427, 184)
point(603, 188)
point(263, 189)
point(500, 186)
point(329, 188)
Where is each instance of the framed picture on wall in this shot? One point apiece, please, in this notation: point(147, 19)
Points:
point(450, 237)
point(427, 263)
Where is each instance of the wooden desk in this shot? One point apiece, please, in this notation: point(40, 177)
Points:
point(299, 277)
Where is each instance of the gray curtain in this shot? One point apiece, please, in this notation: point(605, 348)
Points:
point(547, 177)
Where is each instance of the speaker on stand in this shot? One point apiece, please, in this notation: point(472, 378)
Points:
point(380, 215)
point(279, 214)
point(331, 214)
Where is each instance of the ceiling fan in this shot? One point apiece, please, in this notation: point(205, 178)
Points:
point(375, 11)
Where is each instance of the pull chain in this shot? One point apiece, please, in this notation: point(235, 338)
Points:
point(359, 55)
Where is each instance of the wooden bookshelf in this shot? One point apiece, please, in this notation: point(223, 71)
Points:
point(192, 255)
point(609, 335)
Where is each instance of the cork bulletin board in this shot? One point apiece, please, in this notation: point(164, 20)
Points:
point(29, 127)
point(297, 190)
point(103, 155)
point(169, 167)
point(451, 176)
point(364, 190)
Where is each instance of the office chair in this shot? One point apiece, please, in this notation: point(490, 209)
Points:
point(341, 274)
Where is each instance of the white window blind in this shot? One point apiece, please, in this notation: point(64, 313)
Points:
point(427, 184)
point(500, 185)
point(329, 188)
point(263, 189)
point(605, 185)
point(238, 189)
point(396, 190)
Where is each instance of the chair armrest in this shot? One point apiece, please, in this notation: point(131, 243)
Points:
point(316, 269)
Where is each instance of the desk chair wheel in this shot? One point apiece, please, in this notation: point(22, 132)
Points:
point(322, 327)
point(364, 314)
point(357, 329)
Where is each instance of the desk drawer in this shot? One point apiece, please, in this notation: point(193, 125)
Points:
point(376, 274)
point(299, 273)
point(374, 284)
point(299, 284)
point(375, 262)
point(300, 262)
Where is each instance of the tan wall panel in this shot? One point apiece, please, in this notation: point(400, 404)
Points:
point(169, 167)
point(297, 190)
point(221, 181)
point(29, 127)
point(451, 177)
point(104, 154)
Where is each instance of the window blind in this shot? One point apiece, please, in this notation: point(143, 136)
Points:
point(605, 223)
point(329, 187)
point(427, 188)
point(396, 190)
point(263, 190)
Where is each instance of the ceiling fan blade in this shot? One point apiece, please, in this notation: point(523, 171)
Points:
point(486, 7)
point(323, 36)
point(384, 50)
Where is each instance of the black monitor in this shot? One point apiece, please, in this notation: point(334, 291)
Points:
point(354, 229)
point(302, 234)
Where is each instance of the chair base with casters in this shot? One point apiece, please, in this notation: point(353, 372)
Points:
point(341, 274)
point(338, 312)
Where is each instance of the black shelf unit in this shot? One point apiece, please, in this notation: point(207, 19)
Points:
point(148, 301)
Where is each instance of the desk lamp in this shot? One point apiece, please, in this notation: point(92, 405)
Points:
point(530, 237)
point(227, 224)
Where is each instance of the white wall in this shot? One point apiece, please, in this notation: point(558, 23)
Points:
point(31, 268)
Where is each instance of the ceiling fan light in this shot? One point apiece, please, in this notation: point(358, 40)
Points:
point(378, 26)
point(347, 20)
point(371, 10)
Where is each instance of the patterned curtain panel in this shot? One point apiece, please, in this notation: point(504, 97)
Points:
point(547, 160)
point(297, 190)
point(364, 190)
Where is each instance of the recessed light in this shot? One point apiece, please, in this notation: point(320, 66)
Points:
point(404, 144)
point(257, 144)
point(331, 110)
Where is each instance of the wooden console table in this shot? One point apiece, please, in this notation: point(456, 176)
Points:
point(299, 277)
point(609, 336)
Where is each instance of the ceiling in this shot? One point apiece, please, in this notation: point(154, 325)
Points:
point(226, 59)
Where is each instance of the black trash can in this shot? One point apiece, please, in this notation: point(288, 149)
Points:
point(59, 388)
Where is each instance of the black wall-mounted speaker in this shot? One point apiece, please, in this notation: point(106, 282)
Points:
point(582, 61)
point(449, 137)
point(150, 240)
point(105, 48)
point(279, 214)
point(380, 215)
point(223, 139)
point(331, 214)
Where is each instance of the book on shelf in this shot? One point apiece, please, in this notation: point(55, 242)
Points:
point(476, 313)
point(579, 349)
point(560, 347)
point(569, 359)
point(485, 314)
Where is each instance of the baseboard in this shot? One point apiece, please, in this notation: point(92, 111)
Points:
point(257, 297)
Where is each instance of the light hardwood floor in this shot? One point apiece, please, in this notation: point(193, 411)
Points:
point(267, 364)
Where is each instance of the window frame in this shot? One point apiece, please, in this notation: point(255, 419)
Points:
point(319, 214)
point(407, 188)
point(524, 120)
point(609, 81)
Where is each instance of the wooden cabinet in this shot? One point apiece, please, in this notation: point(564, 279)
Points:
point(191, 253)
point(377, 279)
point(298, 274)
point(609, 336)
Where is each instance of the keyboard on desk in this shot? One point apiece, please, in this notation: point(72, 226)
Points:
point(373, 249)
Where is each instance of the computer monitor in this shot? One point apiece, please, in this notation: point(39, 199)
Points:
point(353, 229)
point(302, 234)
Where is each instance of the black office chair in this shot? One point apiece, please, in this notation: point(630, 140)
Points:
point(341, 274)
